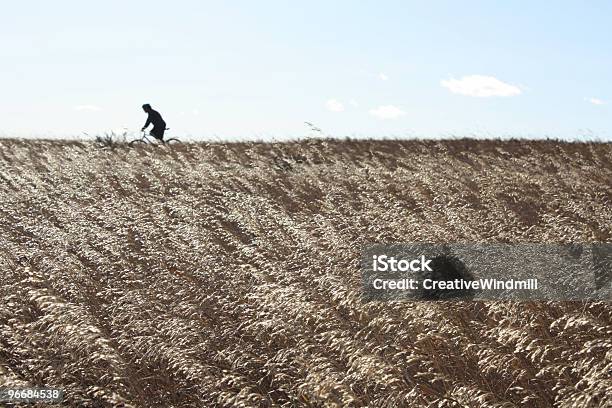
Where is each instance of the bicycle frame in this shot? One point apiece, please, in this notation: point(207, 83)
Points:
point(145, 139)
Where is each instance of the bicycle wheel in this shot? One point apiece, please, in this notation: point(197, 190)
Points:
point(172, 140)
point(137, 142)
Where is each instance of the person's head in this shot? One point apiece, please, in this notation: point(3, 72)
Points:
point(146, 107)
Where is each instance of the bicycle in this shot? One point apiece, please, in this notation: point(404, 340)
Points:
point(145, 140)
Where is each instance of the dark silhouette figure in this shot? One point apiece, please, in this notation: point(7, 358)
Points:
point(159, 126)
point(447, 268)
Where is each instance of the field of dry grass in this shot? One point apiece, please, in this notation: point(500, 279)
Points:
point(207, 275)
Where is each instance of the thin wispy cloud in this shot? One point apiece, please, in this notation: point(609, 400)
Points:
point(353, 103)
point(595, 101)
point(480, 86)
point(387, 112)
point(334, 105)
point(87, 108)
point(383, 76)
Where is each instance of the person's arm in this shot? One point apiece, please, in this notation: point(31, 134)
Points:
point(147, 123)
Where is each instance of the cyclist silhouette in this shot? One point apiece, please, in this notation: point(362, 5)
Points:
point(159, 126)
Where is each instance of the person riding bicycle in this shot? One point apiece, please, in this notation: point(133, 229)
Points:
point(159, 126)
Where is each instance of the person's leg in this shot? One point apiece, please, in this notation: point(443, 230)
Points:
point(158, 133)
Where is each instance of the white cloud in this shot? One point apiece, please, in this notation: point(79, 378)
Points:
point(195, 112)
point(88, 108)
point(595, 101)
point(387, 112)
point(383, 76)
point(353, 103)
point(480, 86)
point(334, 105)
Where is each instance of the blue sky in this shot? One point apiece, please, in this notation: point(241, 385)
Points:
point(258, 69)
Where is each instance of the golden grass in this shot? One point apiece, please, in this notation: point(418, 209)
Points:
point(207, 275)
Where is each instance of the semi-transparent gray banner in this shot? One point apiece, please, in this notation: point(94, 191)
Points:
point(481, 271)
